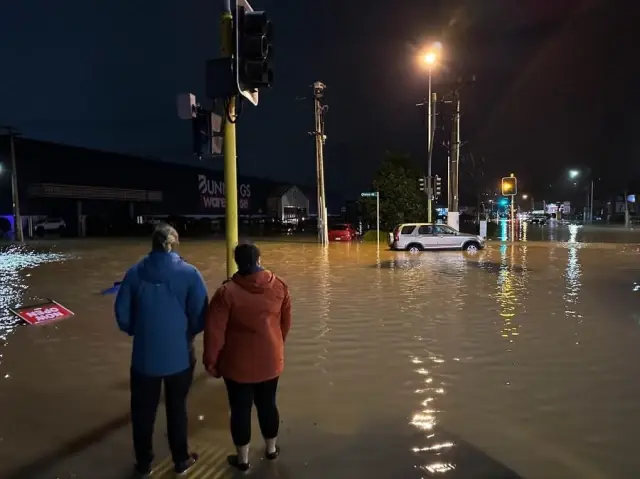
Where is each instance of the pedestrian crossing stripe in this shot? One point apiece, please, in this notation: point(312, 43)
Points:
point(211, 464)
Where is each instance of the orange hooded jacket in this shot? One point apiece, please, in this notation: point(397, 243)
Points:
point(246, 326)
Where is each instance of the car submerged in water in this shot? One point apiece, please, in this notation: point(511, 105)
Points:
point(343, 232)
point(416, 237)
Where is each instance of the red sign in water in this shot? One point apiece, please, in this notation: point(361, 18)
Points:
point(42, 313)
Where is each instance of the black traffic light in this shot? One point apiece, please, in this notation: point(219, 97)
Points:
point(422, 183)
point(253, 50)
point(201, 129)
point(509, 186)
point(438, 187)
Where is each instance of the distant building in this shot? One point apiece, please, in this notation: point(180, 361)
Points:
point(73, 183)
point(288, 204)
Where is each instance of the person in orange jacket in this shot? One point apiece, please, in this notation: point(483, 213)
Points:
point(246, 327)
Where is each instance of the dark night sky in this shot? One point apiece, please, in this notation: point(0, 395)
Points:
point(556, 81)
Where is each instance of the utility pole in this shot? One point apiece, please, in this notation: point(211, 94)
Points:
point(430, 120)
point(430, 130)
point(320, 110)
point(453, 216)
point(591, 202)
point(15, 195)
point(228, 43)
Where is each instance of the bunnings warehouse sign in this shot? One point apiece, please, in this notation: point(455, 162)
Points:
point(212, 194)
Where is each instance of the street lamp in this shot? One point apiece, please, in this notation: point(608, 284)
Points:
point(526, 196)
point(573, 174)
point(430, 58)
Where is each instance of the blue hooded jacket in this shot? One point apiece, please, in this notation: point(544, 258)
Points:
point(162, 303)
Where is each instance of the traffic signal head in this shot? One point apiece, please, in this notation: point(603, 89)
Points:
point(509, 186)
point(438, 186)
point(253, 51)
point(422, 183)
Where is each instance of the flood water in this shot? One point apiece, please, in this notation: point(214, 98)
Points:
point(398, 365)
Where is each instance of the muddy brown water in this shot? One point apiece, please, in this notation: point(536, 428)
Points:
point(527, 353)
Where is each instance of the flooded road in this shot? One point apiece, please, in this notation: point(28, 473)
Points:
point(398, 365)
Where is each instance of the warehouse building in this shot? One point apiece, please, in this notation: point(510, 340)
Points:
point(79, 185)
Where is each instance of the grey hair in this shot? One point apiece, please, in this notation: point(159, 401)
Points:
point(164, 238)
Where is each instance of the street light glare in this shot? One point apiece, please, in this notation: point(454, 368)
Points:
point(430, 58)
point(524, 197)
point(574, 174)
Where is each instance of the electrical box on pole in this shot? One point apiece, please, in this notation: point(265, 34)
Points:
point(253, 50)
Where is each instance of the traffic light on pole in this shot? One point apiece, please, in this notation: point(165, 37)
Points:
point(422, 183)
point(509, 186)
point(253, 50)
point(437, 187)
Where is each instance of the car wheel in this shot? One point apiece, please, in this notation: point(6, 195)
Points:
point(414, 248)
point(471, 248)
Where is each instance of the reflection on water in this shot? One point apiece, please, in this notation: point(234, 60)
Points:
point(324, 290)
point(395, 361)
point(15, 265)
point(506, 294)
point(572, 276)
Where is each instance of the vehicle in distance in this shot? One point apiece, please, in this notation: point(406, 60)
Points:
point(416, 237)
point(50, 225)
point(537, 219)
point(342, 232)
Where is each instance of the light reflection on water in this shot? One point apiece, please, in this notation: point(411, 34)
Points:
point(423, 344)
point(506, 294)
point(15, 264)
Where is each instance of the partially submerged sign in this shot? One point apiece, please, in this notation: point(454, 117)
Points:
point(45, 312)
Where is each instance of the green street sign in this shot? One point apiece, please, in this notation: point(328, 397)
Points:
point(369, 194)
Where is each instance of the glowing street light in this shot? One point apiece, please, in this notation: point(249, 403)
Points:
point(573, 174)
point(430, 58)
point(525, 197)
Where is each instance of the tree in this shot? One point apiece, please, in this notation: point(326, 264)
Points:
point(401, 200)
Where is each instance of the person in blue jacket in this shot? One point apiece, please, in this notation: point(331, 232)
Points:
point(161, 303)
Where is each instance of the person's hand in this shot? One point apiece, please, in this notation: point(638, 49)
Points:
point(211, 369)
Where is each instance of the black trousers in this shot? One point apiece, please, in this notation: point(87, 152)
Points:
point(145, 396)
point(242, 396)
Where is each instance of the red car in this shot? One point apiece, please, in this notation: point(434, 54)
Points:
point(344, 232)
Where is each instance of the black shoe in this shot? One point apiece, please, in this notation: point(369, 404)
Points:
point(183, 467)
point(233, 462)
point(142, 470)
point(272, 455)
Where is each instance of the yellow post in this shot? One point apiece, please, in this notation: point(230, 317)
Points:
point(229, 147)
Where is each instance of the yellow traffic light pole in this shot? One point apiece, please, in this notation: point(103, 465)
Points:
point(229, 147)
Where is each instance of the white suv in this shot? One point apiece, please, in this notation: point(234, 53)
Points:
point(416, 237)
point(51, 225)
